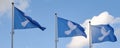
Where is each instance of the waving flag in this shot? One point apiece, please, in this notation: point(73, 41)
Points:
point(67, 28)
point(102, 33)
point(21, 21)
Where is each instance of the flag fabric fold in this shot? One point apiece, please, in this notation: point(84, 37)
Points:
point(67, 28)
point(102, 33)
point(21, 21)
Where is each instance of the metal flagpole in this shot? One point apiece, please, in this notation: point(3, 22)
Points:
point(12, 32)
point(56, 31)
point(90, 37)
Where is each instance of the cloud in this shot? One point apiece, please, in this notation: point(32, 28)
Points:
point(77, 42)
point(5, 5)
point(103, 18)
point(116, 21)
point(22, 4)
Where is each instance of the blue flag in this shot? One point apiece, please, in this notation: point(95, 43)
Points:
point(102, 33)
point(68, 28)
point(21, 21)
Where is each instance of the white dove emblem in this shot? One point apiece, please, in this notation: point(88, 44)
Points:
point(71, 26)
point(104, 34)
point(24, 23)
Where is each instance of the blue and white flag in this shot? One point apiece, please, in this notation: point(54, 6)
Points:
point(21, 21)
point(102, 33)
point(67, 28)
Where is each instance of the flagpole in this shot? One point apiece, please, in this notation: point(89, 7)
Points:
point(12, 32)
point(90, 35)
point(56, 31)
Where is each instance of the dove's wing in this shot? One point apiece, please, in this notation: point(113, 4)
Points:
point(71, 25)
point(103, 31)
point(25, 23)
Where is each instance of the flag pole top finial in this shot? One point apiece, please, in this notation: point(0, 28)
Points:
point(12, 3)
point(89, 21)
point(55, 13)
